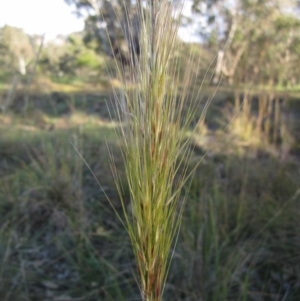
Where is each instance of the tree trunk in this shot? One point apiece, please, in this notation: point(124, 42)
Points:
point(219, 67)
point(30, 78)
point(276, 127)
point(237, 102)
point(262, 108)
point(22, 65)
point(10, 94)
point(269, 118)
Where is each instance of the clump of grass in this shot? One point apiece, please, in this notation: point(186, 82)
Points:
point(155, 122)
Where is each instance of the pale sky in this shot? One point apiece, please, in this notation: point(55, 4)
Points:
point(38, 16)
point(54, 17)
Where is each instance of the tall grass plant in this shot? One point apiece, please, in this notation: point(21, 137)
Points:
point(156, 117)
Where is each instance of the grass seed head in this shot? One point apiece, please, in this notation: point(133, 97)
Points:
point(153, 132)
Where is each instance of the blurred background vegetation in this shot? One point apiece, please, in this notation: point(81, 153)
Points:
point(240, 236)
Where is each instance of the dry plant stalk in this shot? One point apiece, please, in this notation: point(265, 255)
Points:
point(155, 146)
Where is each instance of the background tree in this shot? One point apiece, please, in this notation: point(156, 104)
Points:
point(16, 49)
point(112, 25)
point(257, 44)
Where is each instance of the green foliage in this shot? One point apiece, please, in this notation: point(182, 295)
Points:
point(88, 60)
point(71, 58)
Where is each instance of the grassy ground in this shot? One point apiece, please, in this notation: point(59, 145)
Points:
point(60, 239)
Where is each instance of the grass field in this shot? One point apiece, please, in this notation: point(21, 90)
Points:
point(61, 241)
